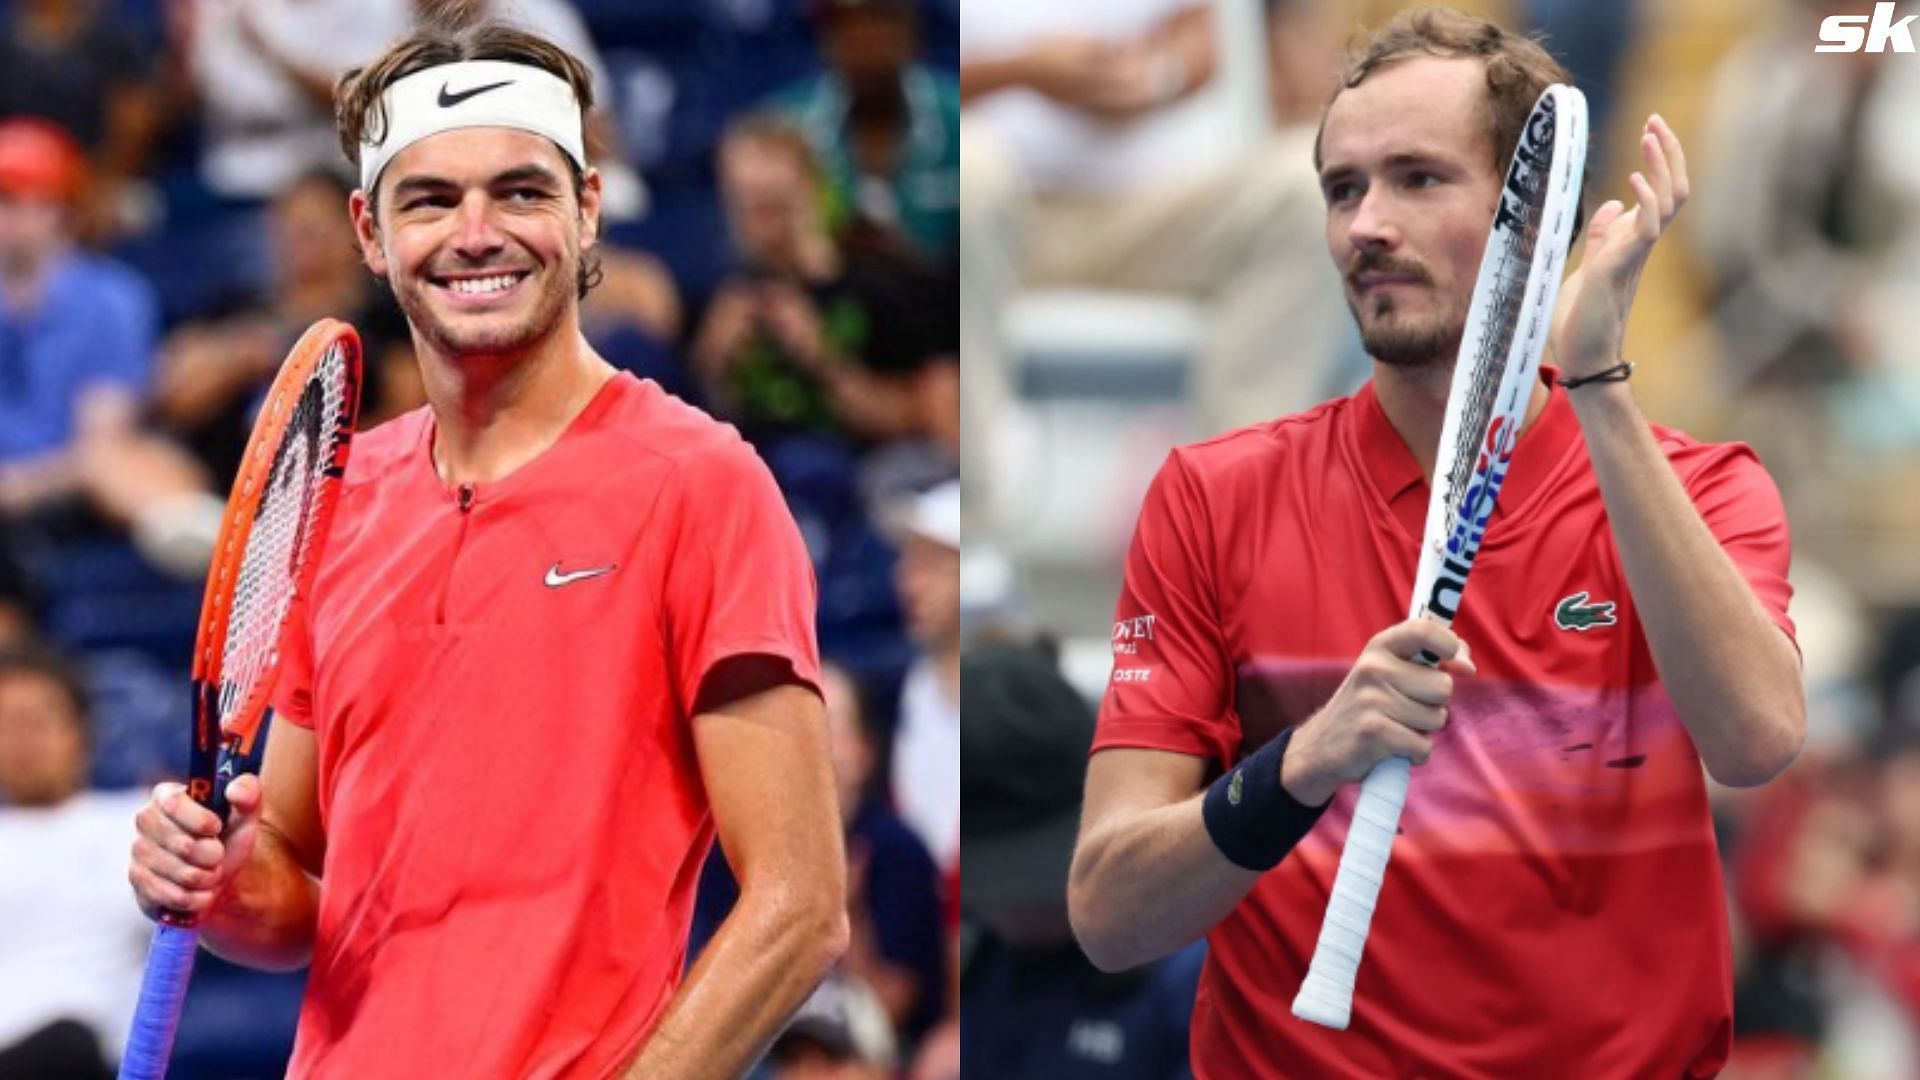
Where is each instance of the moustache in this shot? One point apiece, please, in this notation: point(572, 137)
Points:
point(1368, 262)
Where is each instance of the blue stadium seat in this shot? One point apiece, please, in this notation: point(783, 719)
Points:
point(686, 229)
point(238, 1023)
point(141, 713)
point(632, 349)
point(101, 595)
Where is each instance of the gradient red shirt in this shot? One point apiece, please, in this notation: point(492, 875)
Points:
point(501, 701)
point(1554, 903)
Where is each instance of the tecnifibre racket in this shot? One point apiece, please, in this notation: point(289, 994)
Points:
point(1506, 331)
point(269, 544)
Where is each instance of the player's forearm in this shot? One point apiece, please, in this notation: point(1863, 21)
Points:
point(1732, 674)
point(768, 955)
point(1150, 883)
point(266, 917)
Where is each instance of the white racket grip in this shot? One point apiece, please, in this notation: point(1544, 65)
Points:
point(1326, 997)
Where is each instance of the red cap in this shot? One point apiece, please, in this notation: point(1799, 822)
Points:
point(40, 160)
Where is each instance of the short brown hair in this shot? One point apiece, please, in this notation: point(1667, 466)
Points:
point(1518, 67)
point(360, 110)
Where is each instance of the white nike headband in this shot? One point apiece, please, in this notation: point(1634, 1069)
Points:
point(475, 93)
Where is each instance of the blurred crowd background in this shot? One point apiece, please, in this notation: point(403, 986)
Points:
point(1143, 263)
point(782, 184)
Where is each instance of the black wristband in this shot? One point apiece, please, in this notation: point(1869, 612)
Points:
point(1250, 817)
point(1617, 373)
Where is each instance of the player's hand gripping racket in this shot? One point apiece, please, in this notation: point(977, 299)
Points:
point(269, 544)
point(1506, 331)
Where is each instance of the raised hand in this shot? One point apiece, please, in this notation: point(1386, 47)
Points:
point(1590, 324)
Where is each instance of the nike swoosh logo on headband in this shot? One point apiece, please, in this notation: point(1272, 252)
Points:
point(448, 99)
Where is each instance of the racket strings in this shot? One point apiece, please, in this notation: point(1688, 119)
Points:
point(281, 540)
point(1512, 266)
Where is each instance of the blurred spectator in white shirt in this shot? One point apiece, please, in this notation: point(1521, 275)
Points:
point(72, 942)
point(1106, 143)
point(926, 748)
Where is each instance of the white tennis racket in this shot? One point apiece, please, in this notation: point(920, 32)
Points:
point(1506, 332)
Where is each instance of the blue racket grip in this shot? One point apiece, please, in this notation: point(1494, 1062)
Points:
point(163, 993)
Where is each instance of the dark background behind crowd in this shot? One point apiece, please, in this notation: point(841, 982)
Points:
point(782, 185)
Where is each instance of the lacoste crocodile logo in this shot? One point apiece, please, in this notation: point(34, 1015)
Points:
point(1574, 613)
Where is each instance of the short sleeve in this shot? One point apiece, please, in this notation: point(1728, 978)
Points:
point(1172, 681)
point(1742, 508)
point(293, 686)
point(739, 581)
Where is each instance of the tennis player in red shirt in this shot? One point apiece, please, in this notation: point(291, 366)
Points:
point(561, 636)
point(1554, 905)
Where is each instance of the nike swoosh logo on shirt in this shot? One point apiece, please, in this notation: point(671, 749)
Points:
point(449, 99)
point(556, 578)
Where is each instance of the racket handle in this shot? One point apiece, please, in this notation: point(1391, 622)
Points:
point(1326, 996)
point(163, 993)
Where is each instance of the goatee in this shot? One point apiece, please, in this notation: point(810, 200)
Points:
point(1407, 347)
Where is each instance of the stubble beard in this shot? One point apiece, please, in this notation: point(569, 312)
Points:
point(1404, 342)
point(492, 338)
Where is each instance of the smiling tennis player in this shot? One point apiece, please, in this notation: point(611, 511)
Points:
point(561, 636)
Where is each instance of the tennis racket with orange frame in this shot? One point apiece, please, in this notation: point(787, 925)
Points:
point(269, 544)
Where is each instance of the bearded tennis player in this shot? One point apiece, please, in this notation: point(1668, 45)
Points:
point(561, 637)
point(1554, 903)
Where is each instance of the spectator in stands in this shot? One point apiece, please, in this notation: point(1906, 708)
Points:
point(265, 70)
point(76, 330)
point(893, 890)
point(1094, 154)
point(71, 951)
point(636, 296)
point(926, 749)
point(1791, 231)
point(886, 127)
point(263, 73)
point(212, 371)
point(1023, 758)
point(809, 336)
point(70, 62)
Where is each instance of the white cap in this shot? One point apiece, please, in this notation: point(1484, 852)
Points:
point(933, 514)
point(475, 93)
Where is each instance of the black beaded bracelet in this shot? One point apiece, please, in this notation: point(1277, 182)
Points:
point(1250, 817)
point(1617, 373)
